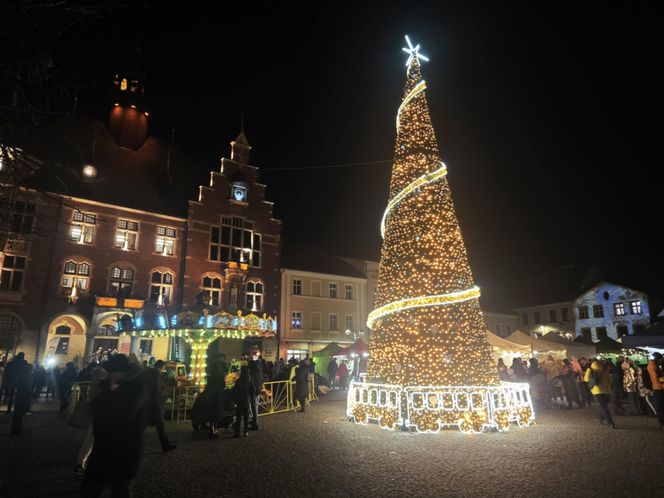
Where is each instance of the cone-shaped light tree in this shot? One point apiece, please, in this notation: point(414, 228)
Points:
point(427, 329)
point(430, 363)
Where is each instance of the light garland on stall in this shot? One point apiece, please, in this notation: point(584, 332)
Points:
point(427, 327)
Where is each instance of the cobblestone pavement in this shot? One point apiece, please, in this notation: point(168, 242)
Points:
point(320, 454)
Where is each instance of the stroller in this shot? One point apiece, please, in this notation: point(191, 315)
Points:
point(200, 411)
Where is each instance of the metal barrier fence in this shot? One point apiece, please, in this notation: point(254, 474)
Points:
point(276, 397)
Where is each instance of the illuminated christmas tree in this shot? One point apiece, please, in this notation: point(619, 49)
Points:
point(427, 328)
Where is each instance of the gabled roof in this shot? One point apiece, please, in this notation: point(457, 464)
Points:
point(315, 259)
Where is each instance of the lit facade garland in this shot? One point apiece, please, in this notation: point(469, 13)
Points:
point(417, 302)
point(427, 328)
point(422, 180)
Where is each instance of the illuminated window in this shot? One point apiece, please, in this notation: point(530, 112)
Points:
point(121, 281)
point(298, 354)
point(83, 227)
point(75, 275)
point(583, 312)
point(297, 287)
point(619, 309)
point(12, 272)
point(635, 307)
point(235, 240)
point(333, 290)
point(123, 84)
point(296, 320)
point(161, 287)
point(255, 290)
point(63, 346)
point(165, 242)
point(598, 311)
point(22, 217)
point(145, 346)
point(212, 286)
point(349, 291)
point(126, 235)
point(333, 322)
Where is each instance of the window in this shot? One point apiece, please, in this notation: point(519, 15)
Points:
point(298, 354)
point(598, 311)
point(161, 287)
point(333, 290)
point(635, 307)
point(145, 346)
point(121, 281)
point(255, 291)
point(75, 276)
point(296, 320)
point(63, 330)
point(22, 217)
point(622, 330)
point(12, 272)
point(212, 287)
point(508, 330)
point(498, 329)
point(564, 314)
point(10, 329)
point(587, 333)
point(315, 320)
point(126, 235)
point(63, 346)
point(83, 227)
point(524, 318)
point(297, 287)
point(601, 333)
point(349, 322)
point(334, 322)
point(619, 309)
point(315, 288)
point(536, 317)
point(349, 291)
point(583, 312)
point(165, 241)
point(553, 316)
point(235, 240)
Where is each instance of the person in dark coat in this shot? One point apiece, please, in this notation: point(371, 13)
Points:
point(243, 390)
point(302, 384)
point(119, 419)
point(214, 390)
point(570, 385)
point(332, 369)
point(67, 380)
point(153, 385)
point(617, 385)
point(12, 370)
point(38, 379)
point(23, 383)
point(257, 378)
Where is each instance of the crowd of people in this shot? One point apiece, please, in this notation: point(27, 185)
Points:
point(620, 387)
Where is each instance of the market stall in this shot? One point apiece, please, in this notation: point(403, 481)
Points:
point(356, 357)
point(541, 348)
point(507, 350)
point(323, 357)
point(575, 349)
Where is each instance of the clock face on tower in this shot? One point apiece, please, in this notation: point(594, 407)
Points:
point(239, 193)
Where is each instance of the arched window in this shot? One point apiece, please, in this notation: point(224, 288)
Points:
point(75, 275)
point(255, 295)
point(121, 281)
point(212, 286)
point(63, 330)
point(161, 287)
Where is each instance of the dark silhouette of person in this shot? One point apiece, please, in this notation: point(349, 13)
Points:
point(67, 380)
point(11, 378)
point(257, 378)
point(153, 377)
point(332, 369)
point(38, 379)
point(302, 384)
point(243, 390)
point(214, 390)
point(119, 419)
point(23, 383)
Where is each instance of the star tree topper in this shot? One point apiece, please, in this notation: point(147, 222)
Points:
point(413, 52)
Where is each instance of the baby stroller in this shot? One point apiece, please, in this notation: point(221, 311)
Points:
point(200, 411)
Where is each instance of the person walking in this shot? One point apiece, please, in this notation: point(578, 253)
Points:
point(23, 385)
point(584, 390)
point(243, 391)
point(214, 390)
point(301, 379)
point(96, 376)
point(153, 377)
point(568, 378)
point(332, 369)
point(12, 370)
point(616, 385)
point(343, 375)
point(38, 379)
point(119, 418)
point(256, 372)
point(657, 382)
point(67, 380)
point(630, 386)
point(598, 377)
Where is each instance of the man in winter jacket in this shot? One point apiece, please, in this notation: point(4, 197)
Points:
point(598, 376)
point(153, 384)
point(657, 379)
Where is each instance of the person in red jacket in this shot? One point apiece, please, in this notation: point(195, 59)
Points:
point(657, 379)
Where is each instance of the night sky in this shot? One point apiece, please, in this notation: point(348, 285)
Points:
point(546, 115)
